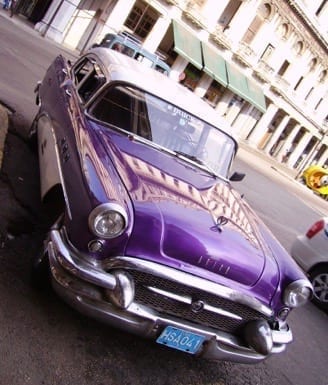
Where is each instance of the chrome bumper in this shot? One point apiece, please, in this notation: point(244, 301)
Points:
point(81, 284)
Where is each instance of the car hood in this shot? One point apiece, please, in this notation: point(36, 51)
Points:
point(186, 218)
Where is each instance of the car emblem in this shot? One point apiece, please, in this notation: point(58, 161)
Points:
point(220, 222)
point(197, 306)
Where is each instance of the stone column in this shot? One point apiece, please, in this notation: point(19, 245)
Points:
point(222, 106)
point(117, 17)
point(241, 120)
point(252, 119)
point(323, 158)
point(300, 147)
point(203, 85)
point(212, 10)
point(233, 111)
point(288, 143)
point(178, 67)
point(275, 136)
point(157, 34)
point(242, 20)
point(57, 18)
point(262, 125)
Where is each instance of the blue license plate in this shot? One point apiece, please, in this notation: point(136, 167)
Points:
point(180, 339)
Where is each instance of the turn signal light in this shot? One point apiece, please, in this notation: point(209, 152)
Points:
point(315, 228)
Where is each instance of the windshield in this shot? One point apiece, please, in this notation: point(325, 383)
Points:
point(166, 125)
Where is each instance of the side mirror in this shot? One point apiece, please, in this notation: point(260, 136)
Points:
point(237, 176)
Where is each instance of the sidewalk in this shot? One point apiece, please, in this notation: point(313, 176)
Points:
point(24, 24)
point(262, 160)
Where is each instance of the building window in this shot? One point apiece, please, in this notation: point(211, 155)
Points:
point(133, 17)
point(265, 11)
point(229, 13)
point(283, 68)
point(322, 76)
point(267, 53)
point(309, 93)
point(283, 31)
point(298, 48)
point(141, 19)
point(298, 83)
point(321, 7)
point(192, 77)
point(313, 64)
point(252, 30)
point(318, 104)
point(214, 93)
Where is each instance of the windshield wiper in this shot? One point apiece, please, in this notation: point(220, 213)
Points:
point(196, 160)
point(189, 156)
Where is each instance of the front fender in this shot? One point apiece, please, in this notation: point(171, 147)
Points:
point(49, 164)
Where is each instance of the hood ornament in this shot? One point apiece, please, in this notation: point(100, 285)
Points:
point(220, 222)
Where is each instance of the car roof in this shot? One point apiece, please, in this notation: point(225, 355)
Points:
point(119, 67)
point(129, 41)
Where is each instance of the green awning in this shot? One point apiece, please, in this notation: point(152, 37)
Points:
point(214, 65)
point(244, 87)
point(256, 95)
point(237, 82)
point(187, 45)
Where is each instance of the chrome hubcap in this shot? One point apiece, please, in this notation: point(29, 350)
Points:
point(320, 287)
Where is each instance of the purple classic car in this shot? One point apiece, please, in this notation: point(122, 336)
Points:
point(147, 233)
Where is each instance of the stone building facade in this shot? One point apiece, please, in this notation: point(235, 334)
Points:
point(262, 64)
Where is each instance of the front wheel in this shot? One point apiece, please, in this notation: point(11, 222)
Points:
point(319, 280)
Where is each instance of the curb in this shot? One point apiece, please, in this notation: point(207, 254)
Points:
point(4, 122)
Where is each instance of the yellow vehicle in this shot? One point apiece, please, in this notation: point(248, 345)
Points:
point(316, 178)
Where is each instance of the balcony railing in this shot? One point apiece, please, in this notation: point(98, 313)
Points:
point(264, 72)
point(193, 13)
point(282, 83)
point(178, 3)
point(219, 38)
point(245, 55)
point(173, 2)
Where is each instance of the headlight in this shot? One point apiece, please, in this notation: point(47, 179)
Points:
point(108, 220)
point(297, 293)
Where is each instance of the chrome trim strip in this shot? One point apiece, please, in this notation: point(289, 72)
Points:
point(188, 301)
point(89, 299)
point(98, 274)
point(78, 267)
point(141, 321)
point(190, 280)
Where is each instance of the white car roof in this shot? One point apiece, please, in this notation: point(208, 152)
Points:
point(120, 67)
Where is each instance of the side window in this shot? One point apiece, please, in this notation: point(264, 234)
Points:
point(124, 107)
point(159, 68)
point(82, 70)
point(88, 78)
point(114, 108)
point(129, 51)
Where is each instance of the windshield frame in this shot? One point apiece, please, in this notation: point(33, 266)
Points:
point(193, 131)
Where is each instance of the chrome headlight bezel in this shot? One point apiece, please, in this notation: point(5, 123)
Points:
point(298, 293)
point(112, 213)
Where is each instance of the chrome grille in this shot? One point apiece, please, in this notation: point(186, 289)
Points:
point(170, 306)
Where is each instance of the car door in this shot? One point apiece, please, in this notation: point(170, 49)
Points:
point(62, 124)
